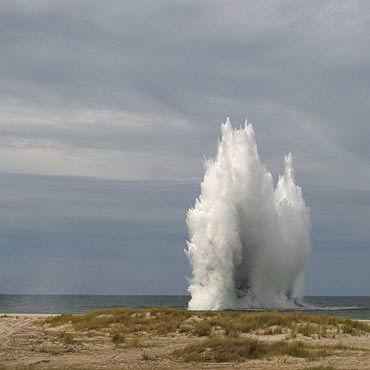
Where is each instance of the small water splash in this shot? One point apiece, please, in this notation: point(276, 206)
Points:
point(248, 241)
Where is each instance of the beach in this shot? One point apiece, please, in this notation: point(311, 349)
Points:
point(26, 341)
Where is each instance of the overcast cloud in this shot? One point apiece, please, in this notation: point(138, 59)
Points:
point(135, 91)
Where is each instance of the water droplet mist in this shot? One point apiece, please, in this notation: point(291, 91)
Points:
point(248, 240)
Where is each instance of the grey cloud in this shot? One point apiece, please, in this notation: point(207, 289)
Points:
point(136, 90)
point(198, 62)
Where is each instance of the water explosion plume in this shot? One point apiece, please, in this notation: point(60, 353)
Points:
point(248, 241)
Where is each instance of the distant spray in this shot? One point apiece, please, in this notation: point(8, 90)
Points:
point(248, 241)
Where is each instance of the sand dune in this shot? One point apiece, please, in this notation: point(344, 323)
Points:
point(24, 342)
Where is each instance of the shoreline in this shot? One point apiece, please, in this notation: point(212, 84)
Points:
point(45, 315)
point(53, 314)
point(36, 315)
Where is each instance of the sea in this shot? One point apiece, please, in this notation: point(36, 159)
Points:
point(343, 307)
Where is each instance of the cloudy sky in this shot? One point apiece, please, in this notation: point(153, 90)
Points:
point(108, 108)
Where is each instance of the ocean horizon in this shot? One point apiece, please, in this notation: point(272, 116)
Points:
point(355, 307)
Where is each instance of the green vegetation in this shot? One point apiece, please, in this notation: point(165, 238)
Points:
point(217, 336)
point(226, 349)
point(125, 320)
point(162, 321)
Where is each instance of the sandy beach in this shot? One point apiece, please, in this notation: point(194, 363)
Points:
point(27, 343)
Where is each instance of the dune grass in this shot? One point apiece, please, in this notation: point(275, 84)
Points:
point(223, 336)
point(67, 338)
point(125, 320)
point(163, 321)
point(226, 349)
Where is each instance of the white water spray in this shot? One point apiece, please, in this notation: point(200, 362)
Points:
point(248, 242)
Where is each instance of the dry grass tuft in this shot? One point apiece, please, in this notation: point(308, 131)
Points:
point(118, 338)
point(226, 349)
point(67, 338)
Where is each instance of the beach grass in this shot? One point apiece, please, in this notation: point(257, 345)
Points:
point(228, 336)
point(226, 349)
point(162, 321)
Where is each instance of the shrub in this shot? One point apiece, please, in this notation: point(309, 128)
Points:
point(118, 338)
point(202, 328)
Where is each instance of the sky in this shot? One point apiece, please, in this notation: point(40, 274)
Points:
point(109, 108)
